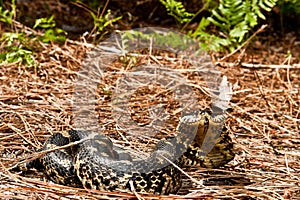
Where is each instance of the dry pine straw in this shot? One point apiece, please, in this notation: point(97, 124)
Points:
point(263, 122)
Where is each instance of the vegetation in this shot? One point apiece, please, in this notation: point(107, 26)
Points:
point(102, 22)
point(51, 32)
point(234, 19)
point(16, 49)
point(226, 25)
point(14, 44)
point(177, 10)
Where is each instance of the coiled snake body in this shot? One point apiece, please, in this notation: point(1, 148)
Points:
point(93, 162)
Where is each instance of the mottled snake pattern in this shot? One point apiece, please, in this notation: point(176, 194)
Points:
point(93, 162)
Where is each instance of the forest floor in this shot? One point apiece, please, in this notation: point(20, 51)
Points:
point(263, 117)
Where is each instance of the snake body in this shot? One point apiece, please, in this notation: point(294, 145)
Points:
point(93, 162)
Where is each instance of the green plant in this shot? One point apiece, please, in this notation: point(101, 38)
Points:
point(238, 17)
point(51, 32)
point(233, 20)
point(177, 10)
point(167, 40)
point(15, 50)
point(101, 22)
point(6, 16)
point(14, 45)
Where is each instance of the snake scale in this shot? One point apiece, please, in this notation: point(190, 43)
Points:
point(93, 161)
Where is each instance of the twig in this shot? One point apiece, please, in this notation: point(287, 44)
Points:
point(245, 43)
point(263, 66)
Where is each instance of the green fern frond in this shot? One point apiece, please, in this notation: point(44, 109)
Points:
point(232, 18)
point(177, 10)
point(238, 17)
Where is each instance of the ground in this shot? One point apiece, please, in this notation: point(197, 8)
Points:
point(263, 118)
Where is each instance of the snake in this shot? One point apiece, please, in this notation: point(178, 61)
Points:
point(86, 159)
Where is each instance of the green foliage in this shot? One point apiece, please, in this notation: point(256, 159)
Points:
point(51, 33)
point(238, 17)
point(13, 45)
point(45, 23)
point(168, 40)
point(18, 55)
point(15, 50)
point(234, 19)
point(177, 10)
point(103, 21)
point(6, 16)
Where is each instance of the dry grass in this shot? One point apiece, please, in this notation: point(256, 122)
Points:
point(263, 122)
